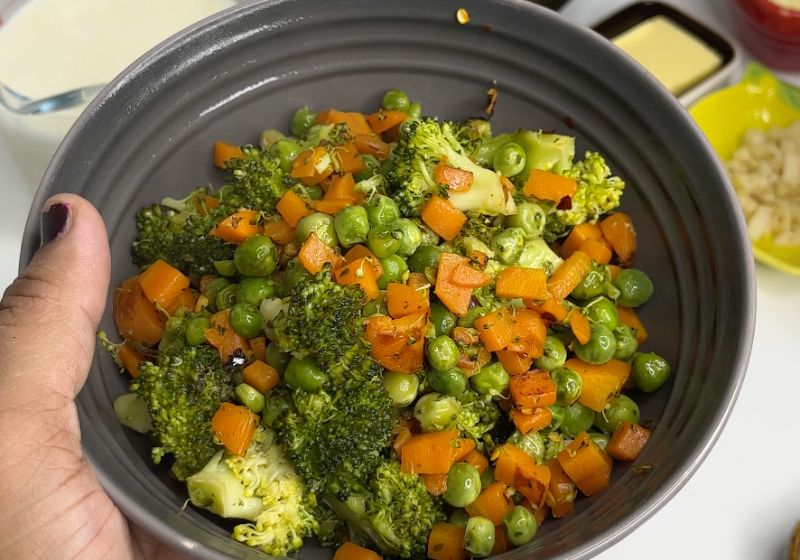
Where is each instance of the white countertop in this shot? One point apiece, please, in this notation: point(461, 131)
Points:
point(745, 498)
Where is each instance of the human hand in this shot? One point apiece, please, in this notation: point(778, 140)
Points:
point(51, 504)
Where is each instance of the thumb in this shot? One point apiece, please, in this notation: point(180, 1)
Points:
point(49, 315)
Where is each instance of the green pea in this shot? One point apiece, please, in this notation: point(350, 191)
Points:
point(463, 485)
point(531, 443)
point(319, 223)
point(250, 397)
point(473, 314)
point(436, 412)
point(276, 358)
point(382, 210)
point(509, 160)
point(394, 270)
point(213, 288)
point(257, 256)
point(458, 517)
point(286, 151)
point(226, 297)
point(384, 241)
point(568, 384)
point(225, 268)
point(375, 307)
point(558, 411)
point(492, 379)
point(246, 320)
point(520, 525)
point(626, 342)
point(268, 138)
point(372, 166)
point(602, 311)
point(255, 290)
point(315, 192)
point(443, 320)
point(620, 408)
point(577, 419)
point(425, 257)
point(395, 100)
point(305, 374)
point(302, 120)
point(401, 387)
point(442, 353)
point(554, 354)
point(415, 110)
point(650, 371)
point(600, 348)
point(450, 382)
point(593, 284)
point(479, 536)
point(295, 272)
point(600, 440)
point(351, 225)
point(635, 287)
point(530, 218)
point(196, 330)
point(507, 245)
point(410, 236)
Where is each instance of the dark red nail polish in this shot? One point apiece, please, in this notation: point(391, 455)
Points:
point(56, 221)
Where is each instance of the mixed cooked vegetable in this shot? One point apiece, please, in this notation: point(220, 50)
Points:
point(395, 334)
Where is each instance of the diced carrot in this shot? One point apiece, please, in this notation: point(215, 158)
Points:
point(279, 231)
point(496, 329)
point(371, 144)
point(359, 273)
point(552, 309)
point(533, 422)
point(238, 227)
point(514, 362)
point(630, 318)
point(569, 274)
point(225, 339)
point(137, 319)
point(398, 344)
point(586, 464)
point(614, 271)
point(532, 389)
point(577, 236)
point(529, 331)
point(312, 166)
point(457, 180)
point(343, 187)
point(224, 151)
point(234, 427)
point(356, 122)
point(461, 448)
point(187, 299)
point(454, 297)
point(383, 120)
point(260, 376)
point(259, 347)
point(467, 277)
point(130, 359)
point(346, 159)
point(516, 468)
point(628, 441)
point(436, 484)
point(162, 283)
point(520, 282)
point(561, 492)
point(443, 218)
point(293, 208)
point(446, 542)
point(428, 453)
point(203, 203)
point(315, 254)
point(358, 251)
point(351, 551)
point(492, 503)
point(402, 300)
point(549, 186)
point(477, 460)
point(579, 325)
point(330, 206)
point(599, 383)
point(402, 437)
point(597, 249)
point(618, 230)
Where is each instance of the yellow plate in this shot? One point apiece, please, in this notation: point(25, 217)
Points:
point(760, 100)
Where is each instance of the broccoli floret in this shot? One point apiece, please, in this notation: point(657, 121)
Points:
point(482, 226)
point(338, 439)
point(261, 487)
point(423, 144)
point(323, 319)
point(549, 152)
point(182, 391)
point(478, 415)
point(256, 180)
point(598, 193)
point(396, 512)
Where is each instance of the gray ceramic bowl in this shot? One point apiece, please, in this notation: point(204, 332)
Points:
point(149, 134)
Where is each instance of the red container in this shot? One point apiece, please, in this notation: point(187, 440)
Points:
point(771, 33)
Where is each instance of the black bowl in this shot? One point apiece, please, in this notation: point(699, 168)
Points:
point(149, 134)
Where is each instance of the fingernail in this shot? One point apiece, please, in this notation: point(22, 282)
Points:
point(56, 221)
